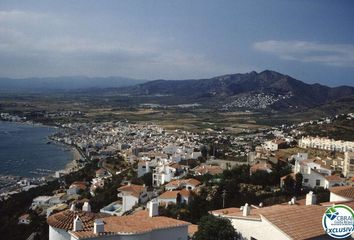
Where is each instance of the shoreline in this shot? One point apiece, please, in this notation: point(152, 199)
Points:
point(71, 165)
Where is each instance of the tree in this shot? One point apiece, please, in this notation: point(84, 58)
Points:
point(289, 184)
point(214, 228)
point(298, 183)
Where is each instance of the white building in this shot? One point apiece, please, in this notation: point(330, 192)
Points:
point(164, 173)
point(280, 222)
point(132, 195)
point(314, 173)
point(174, 197)
point(41, 201)
point(143, 225)
point(326, 144)
point(270, 146)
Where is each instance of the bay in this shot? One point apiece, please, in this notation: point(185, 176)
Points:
point(24, 149)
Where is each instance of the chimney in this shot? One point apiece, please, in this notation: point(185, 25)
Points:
point(72, 207)
point(310, 198)
point(153, 206)
point(86, 207)
point(246, 210)
point(98, 226)
point(77, 224)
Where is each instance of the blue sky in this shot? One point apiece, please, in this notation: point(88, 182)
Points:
point(307, 39)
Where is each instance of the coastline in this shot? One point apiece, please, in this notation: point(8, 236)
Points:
point(73, 165)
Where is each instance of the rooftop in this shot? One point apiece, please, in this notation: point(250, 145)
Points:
point(132, 224)
point(344, 191)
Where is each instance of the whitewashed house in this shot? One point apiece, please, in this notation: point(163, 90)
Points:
point(143, 225)
point(132, 195)
point(281, 222)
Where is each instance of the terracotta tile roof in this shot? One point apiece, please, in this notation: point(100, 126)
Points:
point(180, 182)
point(132, 224)
point(213, 170)
point(24, 216)
point(261, 167)
point(344, 191)
point(333, 178)
point(296, 221)
point(185, 193)
point(169, 195)
point(80, 185)
point(65, 219)
point(133, 189)
point(176, 166)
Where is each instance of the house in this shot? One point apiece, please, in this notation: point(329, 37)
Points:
point(189, 184)
point(164, 172)
point(24, 219)
point(210, 169)
point(76, 188)
point(61, 223)
point(274, 145)
point(341, 194)
point(333, 180)
point(175, 197)
point(132, 195)
point(102, 173)
point(261, 167)
point(292, 221)
point(314, 174)
point(143, 168)
point(147, 225)
point(41, 201)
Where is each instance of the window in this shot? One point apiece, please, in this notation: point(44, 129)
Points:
point(306, 180)
point(318, 182)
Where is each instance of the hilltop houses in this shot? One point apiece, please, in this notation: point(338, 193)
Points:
point(76, 224)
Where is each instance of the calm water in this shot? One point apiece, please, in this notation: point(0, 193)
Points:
point(24, 149)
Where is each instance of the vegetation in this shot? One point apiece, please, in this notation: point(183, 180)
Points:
point(214, 228)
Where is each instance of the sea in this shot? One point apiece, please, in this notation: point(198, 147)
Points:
point(26, 151)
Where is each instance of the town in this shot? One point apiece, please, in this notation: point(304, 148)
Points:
point(152, 179)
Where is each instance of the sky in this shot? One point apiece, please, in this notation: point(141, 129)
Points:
point(311, 40)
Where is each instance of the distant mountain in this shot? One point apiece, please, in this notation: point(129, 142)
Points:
point(249, 90)
point(64, 83)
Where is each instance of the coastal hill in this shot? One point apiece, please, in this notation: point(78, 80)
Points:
point(260, 90)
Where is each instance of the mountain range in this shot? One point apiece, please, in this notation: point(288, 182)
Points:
point(264, 90)
point(274, 89)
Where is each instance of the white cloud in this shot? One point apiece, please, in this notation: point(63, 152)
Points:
point(30, 40)
point(313, 52)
